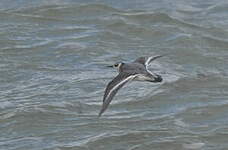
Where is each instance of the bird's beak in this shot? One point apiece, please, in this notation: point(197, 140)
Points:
point(110, 66)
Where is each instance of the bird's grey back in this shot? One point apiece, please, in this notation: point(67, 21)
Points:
point(133, 68)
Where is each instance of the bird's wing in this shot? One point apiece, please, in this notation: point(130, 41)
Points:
point(112, 88)
point(147, 60)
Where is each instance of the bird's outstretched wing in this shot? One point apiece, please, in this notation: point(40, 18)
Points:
point(112, 88)
point(147, 60)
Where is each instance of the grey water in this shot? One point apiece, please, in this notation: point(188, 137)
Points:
point(53, 58)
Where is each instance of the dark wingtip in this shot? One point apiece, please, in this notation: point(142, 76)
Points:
point(102, 110)
point(158, 78)
point(100, 113)
point(158, 56)
point(162, 55)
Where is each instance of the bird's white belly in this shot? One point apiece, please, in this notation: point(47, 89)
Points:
point(142, 78)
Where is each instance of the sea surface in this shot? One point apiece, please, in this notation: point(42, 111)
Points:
point(53, 58)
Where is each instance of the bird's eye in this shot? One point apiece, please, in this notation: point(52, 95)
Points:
point(116, 65)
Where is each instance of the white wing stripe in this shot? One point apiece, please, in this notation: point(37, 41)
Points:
point(122, 82)
point(148, 60)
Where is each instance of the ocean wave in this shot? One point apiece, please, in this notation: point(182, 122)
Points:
point(75, 9)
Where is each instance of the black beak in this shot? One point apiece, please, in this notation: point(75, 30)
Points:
point(110, 66)
point(158, 78)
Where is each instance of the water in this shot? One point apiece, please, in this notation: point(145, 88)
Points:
point(52, 75)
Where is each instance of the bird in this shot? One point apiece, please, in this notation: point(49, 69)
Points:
point(133, 71)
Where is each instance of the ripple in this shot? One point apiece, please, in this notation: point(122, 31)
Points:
point(218, 8)
point(157, 18)
point(193, 145)
point(69, 10)
point(53, 75)
point(6, 104)
point(219, 42)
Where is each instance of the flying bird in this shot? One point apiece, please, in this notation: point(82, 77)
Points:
point(136, 70)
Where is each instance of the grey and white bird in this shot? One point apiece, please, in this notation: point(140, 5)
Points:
point(136, 70)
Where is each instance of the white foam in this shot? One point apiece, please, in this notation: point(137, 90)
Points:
point(180, 122)
point(193, 146)
point(6, 104)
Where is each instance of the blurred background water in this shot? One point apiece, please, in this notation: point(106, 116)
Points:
point(53, 55)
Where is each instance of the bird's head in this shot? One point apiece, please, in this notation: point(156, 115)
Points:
point(117, 65)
